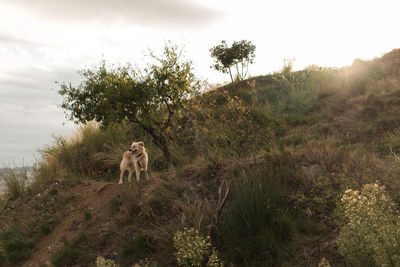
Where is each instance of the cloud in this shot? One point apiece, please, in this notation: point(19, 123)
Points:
point(28, 111)
point(11, 40)
point(152, 13)
point(33, 87)
point(26, 130)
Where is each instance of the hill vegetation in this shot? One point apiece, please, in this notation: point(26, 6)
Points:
point(263, 169)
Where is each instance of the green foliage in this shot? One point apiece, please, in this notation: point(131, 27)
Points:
point(299, 86)
point(92, 151)
point(80, 251)
point(228, 127)
point(392, 143)
point(135, 248)
point(102, 262)
point(87, 215)
point(115, 203)
point(145, 263)
point(3, 254)
point(324, 263)
point(15, 180)
point(238, 56)
point(258, 225)
point(151, 98)
point(195, 250)
point(15, 248)
point(287, 142)
point(371, 233)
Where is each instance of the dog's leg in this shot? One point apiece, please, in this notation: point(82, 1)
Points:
point(121, 177)
point(138, 175)
point(130, 174)
point(145, 172)
point(122, 167)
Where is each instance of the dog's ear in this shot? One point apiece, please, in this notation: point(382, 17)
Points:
point(141, 143)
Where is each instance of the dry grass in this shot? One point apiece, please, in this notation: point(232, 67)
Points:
point(296, 143)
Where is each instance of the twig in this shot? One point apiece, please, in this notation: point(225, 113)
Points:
point(220, 205)
point(394, 154)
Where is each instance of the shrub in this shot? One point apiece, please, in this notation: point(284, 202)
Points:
point(146, 263)
point(102, 262)
point(258, 223)
point(15, 181)
point(324, 263)
point(15, 248)
point(134, 249)
point(78, 252)
point(3, 254)
point(115, 203)
point(371, 234)
point(195, 250)
point(228, 128)
point(94, 151)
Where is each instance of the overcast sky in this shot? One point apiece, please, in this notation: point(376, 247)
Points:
point(44, 41)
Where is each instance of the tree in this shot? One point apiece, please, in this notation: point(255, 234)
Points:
point(151, 98)
point(238, 56)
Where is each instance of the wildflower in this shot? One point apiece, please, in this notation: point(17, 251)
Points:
point(194, 250)
point(371, 233)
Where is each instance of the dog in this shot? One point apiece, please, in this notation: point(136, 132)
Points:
point(135, 158)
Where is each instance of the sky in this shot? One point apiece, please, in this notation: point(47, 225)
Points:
point(48, 41)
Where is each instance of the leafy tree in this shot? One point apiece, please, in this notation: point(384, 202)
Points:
point(238, 56)
point(151, 98)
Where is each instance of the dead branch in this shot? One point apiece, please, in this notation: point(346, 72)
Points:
point(222, 197)
point(396, 156)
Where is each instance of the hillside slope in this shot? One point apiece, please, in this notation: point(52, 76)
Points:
point(90, 198)
point(287, 146)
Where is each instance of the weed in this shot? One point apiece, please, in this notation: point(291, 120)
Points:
point(146, 263)
point(258, 225)
point(53, 192)
point(80, 251)
point(14, 246)
point(3, 254)
point(370, 232)
point(134, 249)
point(195, 250)
point(115, 203)
point(291, 143)
point(87, 215)
point(15, 181)
point(102, 262)
point(45, 228)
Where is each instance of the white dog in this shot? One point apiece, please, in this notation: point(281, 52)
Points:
point(135, 158)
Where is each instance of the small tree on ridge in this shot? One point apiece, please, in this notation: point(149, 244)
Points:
point(238, 56)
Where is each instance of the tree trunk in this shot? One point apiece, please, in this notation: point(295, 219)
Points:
point(230, 74)
point(161, 142)
point(167, 155)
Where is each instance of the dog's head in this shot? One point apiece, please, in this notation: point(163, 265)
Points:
point(137, 148)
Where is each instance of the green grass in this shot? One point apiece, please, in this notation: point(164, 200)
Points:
point(115, 203)
point(80, 251)
point(15, 246)
point(15, 180)
point(134, 249)
point(258, 227)
point(342, 122)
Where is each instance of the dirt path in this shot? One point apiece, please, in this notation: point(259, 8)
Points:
point(91, 198)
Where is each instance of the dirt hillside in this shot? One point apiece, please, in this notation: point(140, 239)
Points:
point(86, 211)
